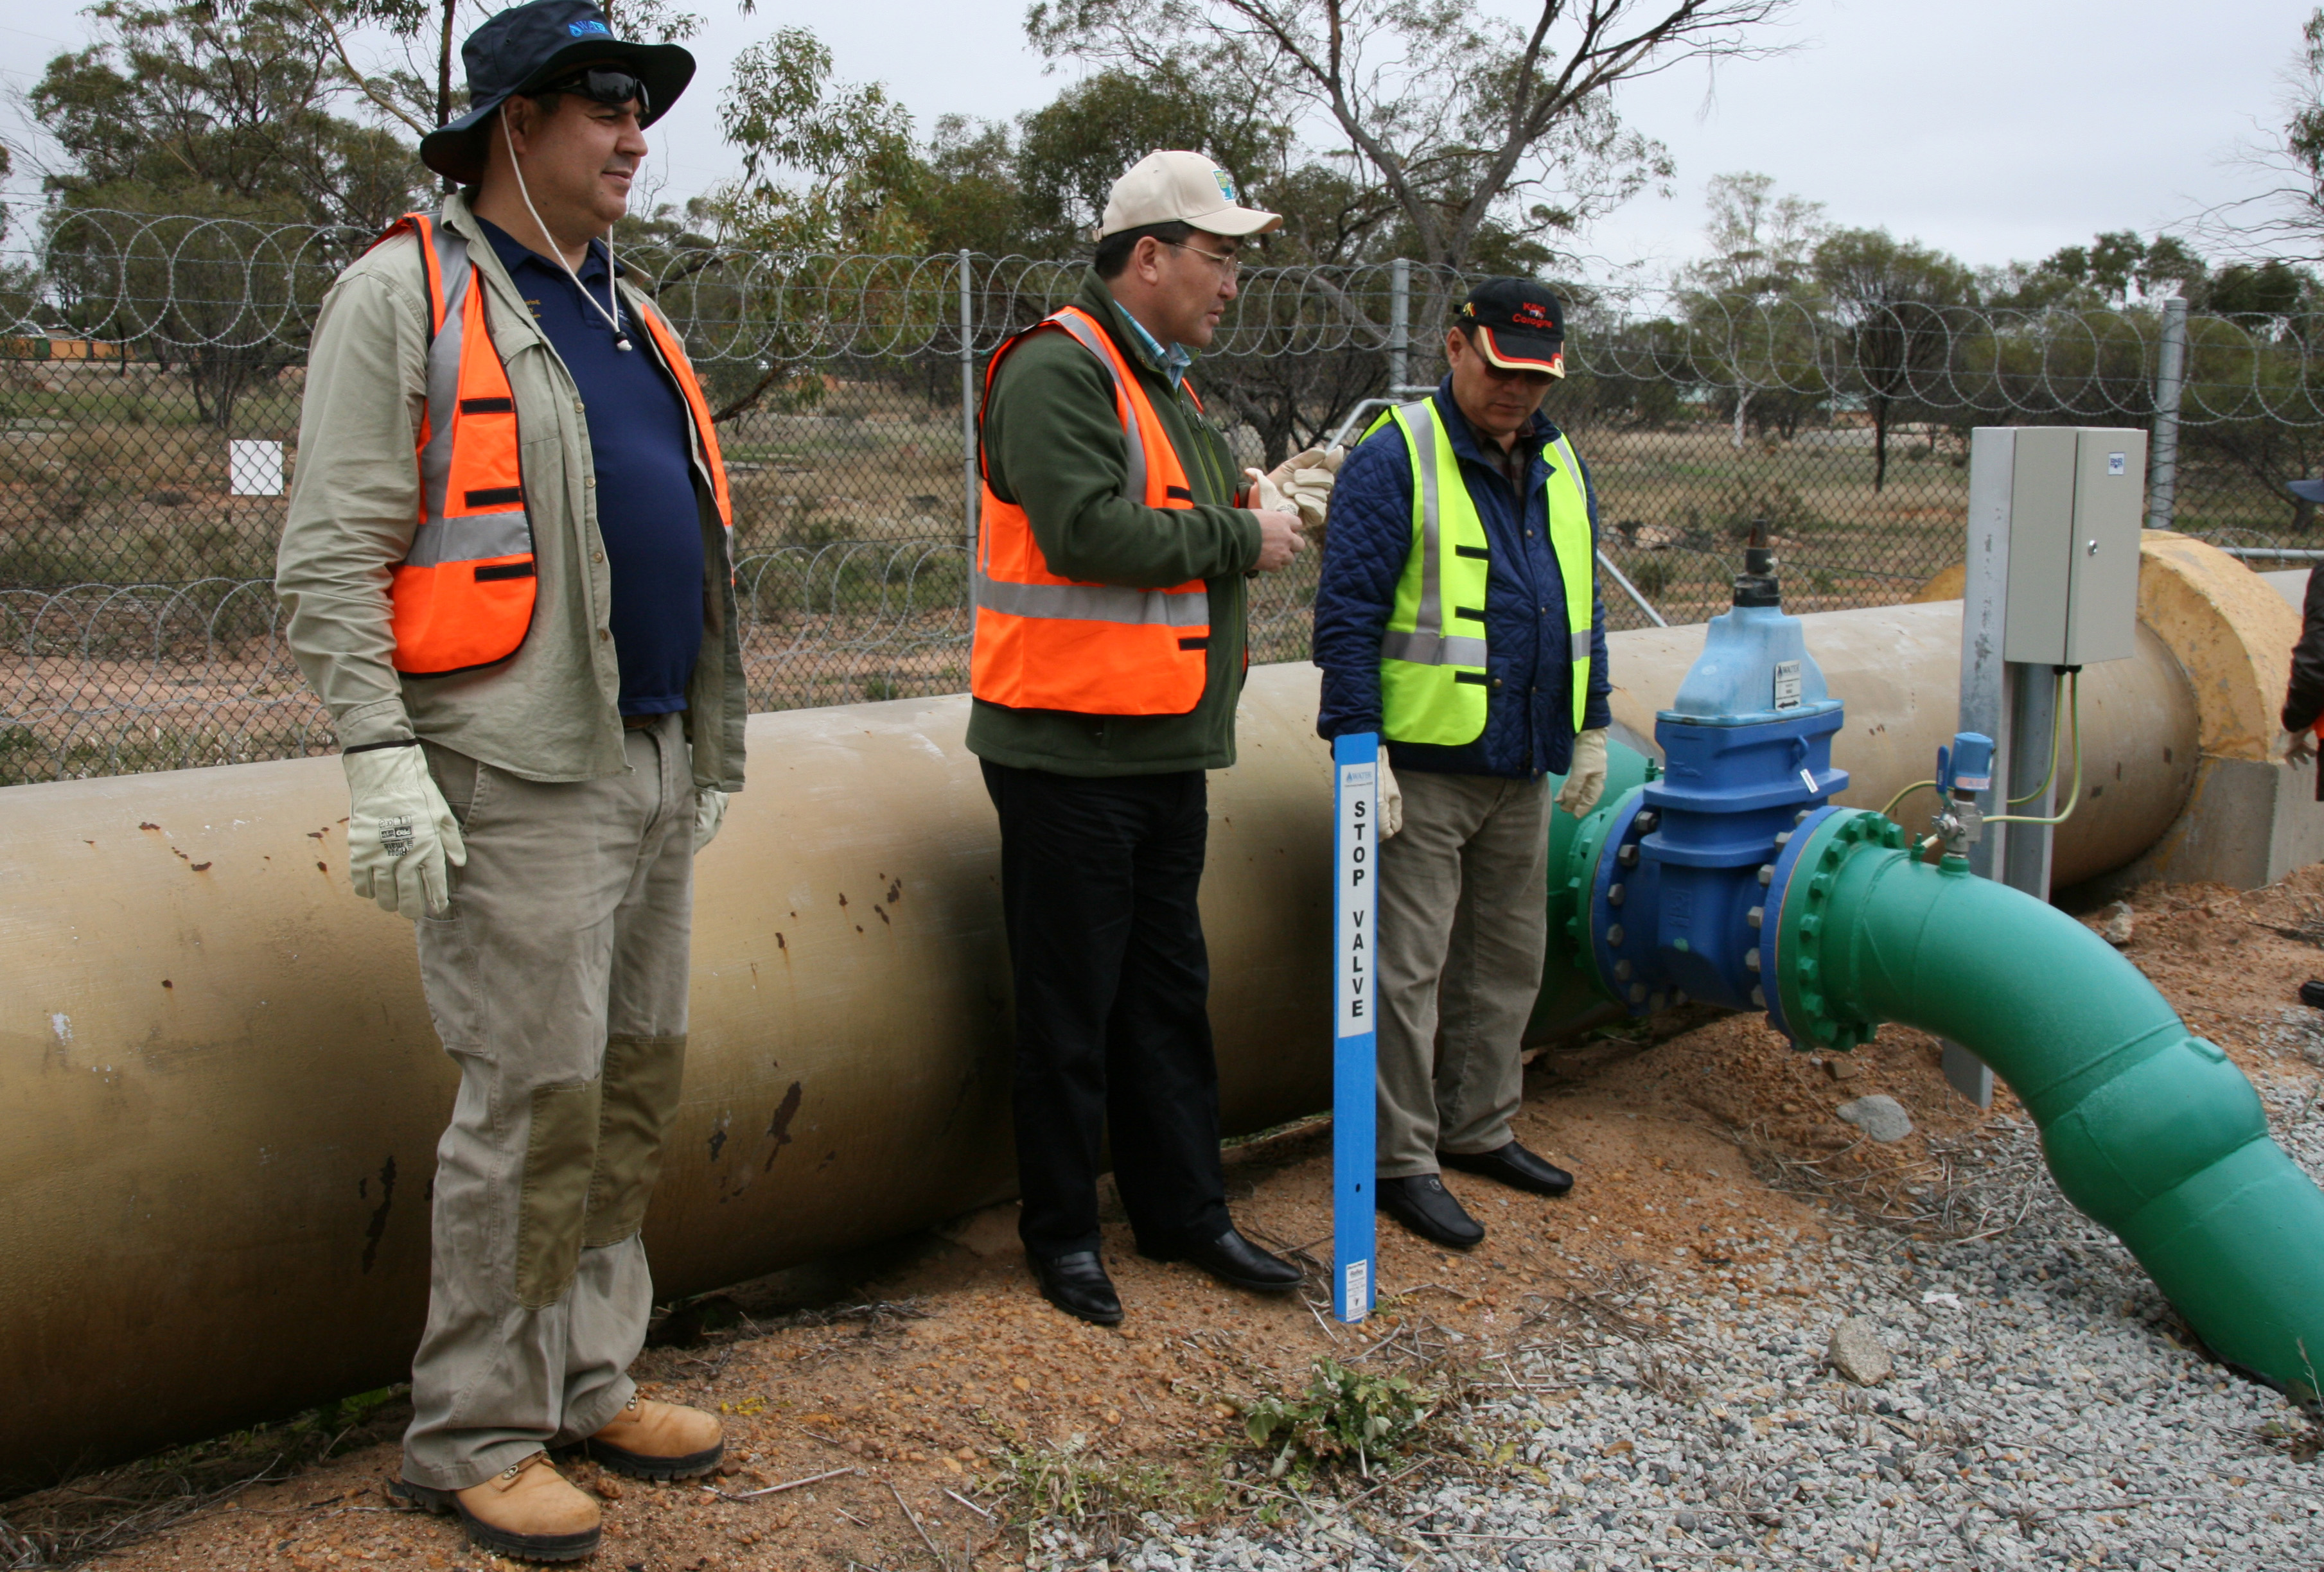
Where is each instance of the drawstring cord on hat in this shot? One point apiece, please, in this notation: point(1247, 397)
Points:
point(612, 272)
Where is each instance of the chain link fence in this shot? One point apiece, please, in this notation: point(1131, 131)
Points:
point(151, 372)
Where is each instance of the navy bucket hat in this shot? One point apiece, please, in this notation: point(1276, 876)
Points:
point(530, 47)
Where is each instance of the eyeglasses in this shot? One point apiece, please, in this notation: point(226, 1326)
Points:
point(1231, 267)
point(601, 85)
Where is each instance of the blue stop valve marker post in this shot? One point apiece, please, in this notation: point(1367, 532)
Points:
point(1355, 1047)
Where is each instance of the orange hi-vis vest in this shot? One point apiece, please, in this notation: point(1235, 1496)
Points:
point(463, 597)
point(1047, 642)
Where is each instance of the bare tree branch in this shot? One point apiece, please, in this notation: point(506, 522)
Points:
point(361, 82)
point(1455, 115)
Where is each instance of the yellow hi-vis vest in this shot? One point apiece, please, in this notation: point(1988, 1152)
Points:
point(1432, 658)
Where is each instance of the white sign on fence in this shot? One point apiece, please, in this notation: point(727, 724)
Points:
point(254, 468)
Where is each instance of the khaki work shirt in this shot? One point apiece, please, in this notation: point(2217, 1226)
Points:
point(550, 712)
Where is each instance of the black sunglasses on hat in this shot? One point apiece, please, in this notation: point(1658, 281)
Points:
point(607, 87)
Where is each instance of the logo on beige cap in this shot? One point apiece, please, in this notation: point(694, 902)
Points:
point(1226, 184)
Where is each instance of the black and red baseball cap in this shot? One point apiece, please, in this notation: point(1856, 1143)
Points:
point(1517, 322)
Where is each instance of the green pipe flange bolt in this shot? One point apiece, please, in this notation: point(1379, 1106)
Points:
point(1571, 885)
point(1800, 961)
point(1572, 995)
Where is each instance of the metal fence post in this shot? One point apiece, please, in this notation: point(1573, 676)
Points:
point(968, 486)
point(1399, 321)
point(2162, 449)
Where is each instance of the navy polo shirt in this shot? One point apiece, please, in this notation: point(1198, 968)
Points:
point(642, 449)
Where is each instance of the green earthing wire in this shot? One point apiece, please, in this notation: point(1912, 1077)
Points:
point(2056, 725)
point(2074, 703)
point(1890, 811)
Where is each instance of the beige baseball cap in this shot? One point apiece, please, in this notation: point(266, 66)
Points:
point(1180, 188)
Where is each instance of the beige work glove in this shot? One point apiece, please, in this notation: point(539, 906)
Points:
point(402, 840)
point(1391, 800)
point(1585, 778)
point(709, 816)
point(1305, 482)
point(1265, 495)
point(2296, 747)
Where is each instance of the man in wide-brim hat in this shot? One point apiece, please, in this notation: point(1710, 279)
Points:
point(507, 574)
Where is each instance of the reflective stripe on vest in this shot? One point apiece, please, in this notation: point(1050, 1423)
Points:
point(463, 596)
point(1047, 642)
point(1433, 683)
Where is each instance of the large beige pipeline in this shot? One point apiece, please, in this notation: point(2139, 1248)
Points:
point(220, 1091)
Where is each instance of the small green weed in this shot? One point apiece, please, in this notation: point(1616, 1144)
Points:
point(1345, 1416)
point(2302, 1434)
point(1077, 1485)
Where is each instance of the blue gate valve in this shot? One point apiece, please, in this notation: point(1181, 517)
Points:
point(1678, 896)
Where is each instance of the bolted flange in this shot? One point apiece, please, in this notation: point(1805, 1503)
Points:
point(1807, 883)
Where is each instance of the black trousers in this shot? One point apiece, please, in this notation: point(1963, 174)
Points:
point(1098, 887)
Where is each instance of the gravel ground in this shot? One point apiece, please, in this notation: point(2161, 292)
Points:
point(2040, 1413)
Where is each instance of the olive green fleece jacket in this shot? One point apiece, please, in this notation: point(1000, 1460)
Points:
point(1054, 445)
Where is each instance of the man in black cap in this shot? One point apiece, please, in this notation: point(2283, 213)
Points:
point(1458, 617)
point(507, 574)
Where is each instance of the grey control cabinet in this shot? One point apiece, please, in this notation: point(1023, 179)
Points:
point(2050, 581)
point(2077, 496)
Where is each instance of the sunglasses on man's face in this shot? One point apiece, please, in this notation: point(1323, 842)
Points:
point(1505, 374)
point(602, 85)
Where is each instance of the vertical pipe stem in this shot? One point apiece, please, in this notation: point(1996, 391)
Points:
point(968, 487)
point(2034, 723)
point(1399, 324)
point(2163, 452)
point(1985, 685)
point(1983, 676)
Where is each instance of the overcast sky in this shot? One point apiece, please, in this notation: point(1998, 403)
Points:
point(1995, 129)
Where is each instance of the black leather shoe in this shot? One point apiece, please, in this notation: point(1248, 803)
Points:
point(1514, 1166)
point(1078, 1284)
point(1233, 1259)
point(1424, 1205)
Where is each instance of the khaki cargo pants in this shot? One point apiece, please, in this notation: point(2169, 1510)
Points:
point(557, 981)
point(1463, 922)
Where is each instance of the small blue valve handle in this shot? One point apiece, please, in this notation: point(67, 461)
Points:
point(1967, 766)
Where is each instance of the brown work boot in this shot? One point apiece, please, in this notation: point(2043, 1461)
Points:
point(528, 1511)
point(659, 1440)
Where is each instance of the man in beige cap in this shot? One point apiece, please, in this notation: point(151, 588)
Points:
point(1113, 546)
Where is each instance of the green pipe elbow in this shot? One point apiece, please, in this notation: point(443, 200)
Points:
point(2149, 1129)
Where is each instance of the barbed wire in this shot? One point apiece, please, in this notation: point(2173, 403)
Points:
point(161, 285)
point(1971, 361)
point(166, 283)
